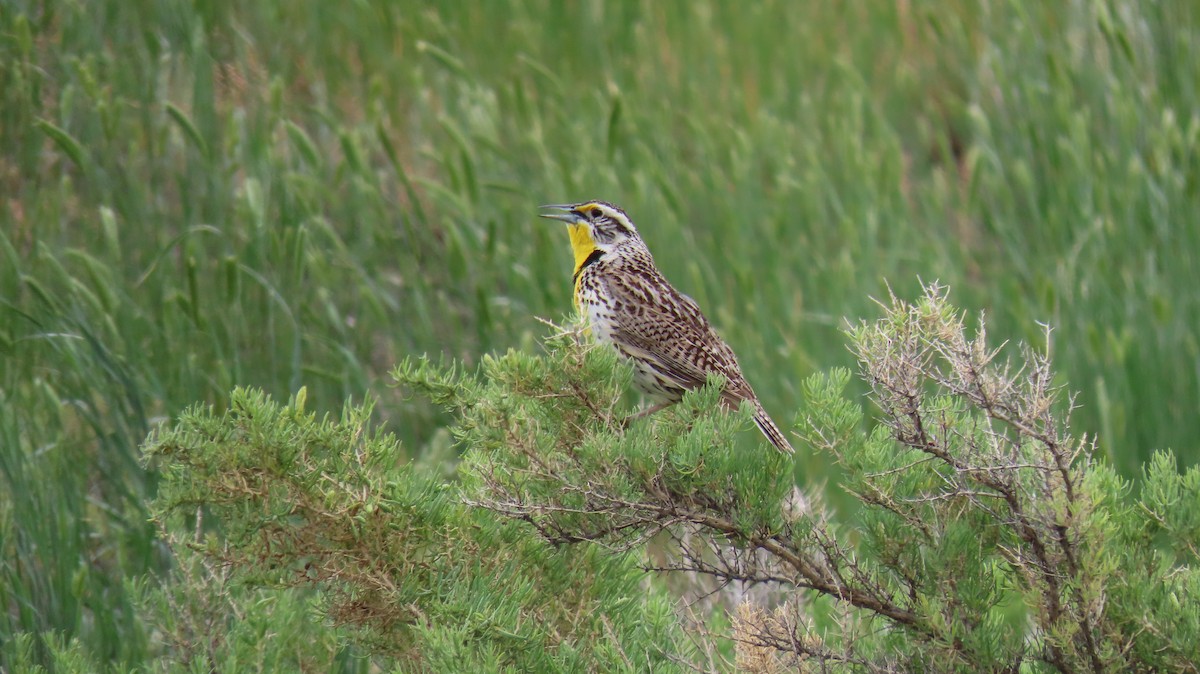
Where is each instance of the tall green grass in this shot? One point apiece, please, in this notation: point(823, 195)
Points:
point(196, 196)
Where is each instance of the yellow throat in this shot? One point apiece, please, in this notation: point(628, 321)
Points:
point(583, 247)
point(581, 244)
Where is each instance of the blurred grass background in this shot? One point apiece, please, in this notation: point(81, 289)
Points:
point(282, 194)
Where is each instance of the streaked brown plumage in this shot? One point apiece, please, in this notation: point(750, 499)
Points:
point(629, 304)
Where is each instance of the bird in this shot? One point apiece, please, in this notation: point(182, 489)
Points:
point(628, 303)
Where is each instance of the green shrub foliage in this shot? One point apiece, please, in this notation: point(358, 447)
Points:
point(416, 574)
point(987, 537)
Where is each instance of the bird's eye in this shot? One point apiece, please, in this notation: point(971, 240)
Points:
point(596, 212)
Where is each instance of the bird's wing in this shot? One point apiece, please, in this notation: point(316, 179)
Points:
point(667, 327)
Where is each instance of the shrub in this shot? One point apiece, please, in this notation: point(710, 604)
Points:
point(988, 537)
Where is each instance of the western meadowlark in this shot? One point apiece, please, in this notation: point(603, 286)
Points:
point(629, 304)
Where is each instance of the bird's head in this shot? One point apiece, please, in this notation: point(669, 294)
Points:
point(596, 228)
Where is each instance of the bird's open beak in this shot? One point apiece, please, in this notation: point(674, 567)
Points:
point(567, 215)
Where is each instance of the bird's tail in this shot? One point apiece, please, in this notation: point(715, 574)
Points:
point(769, 429)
